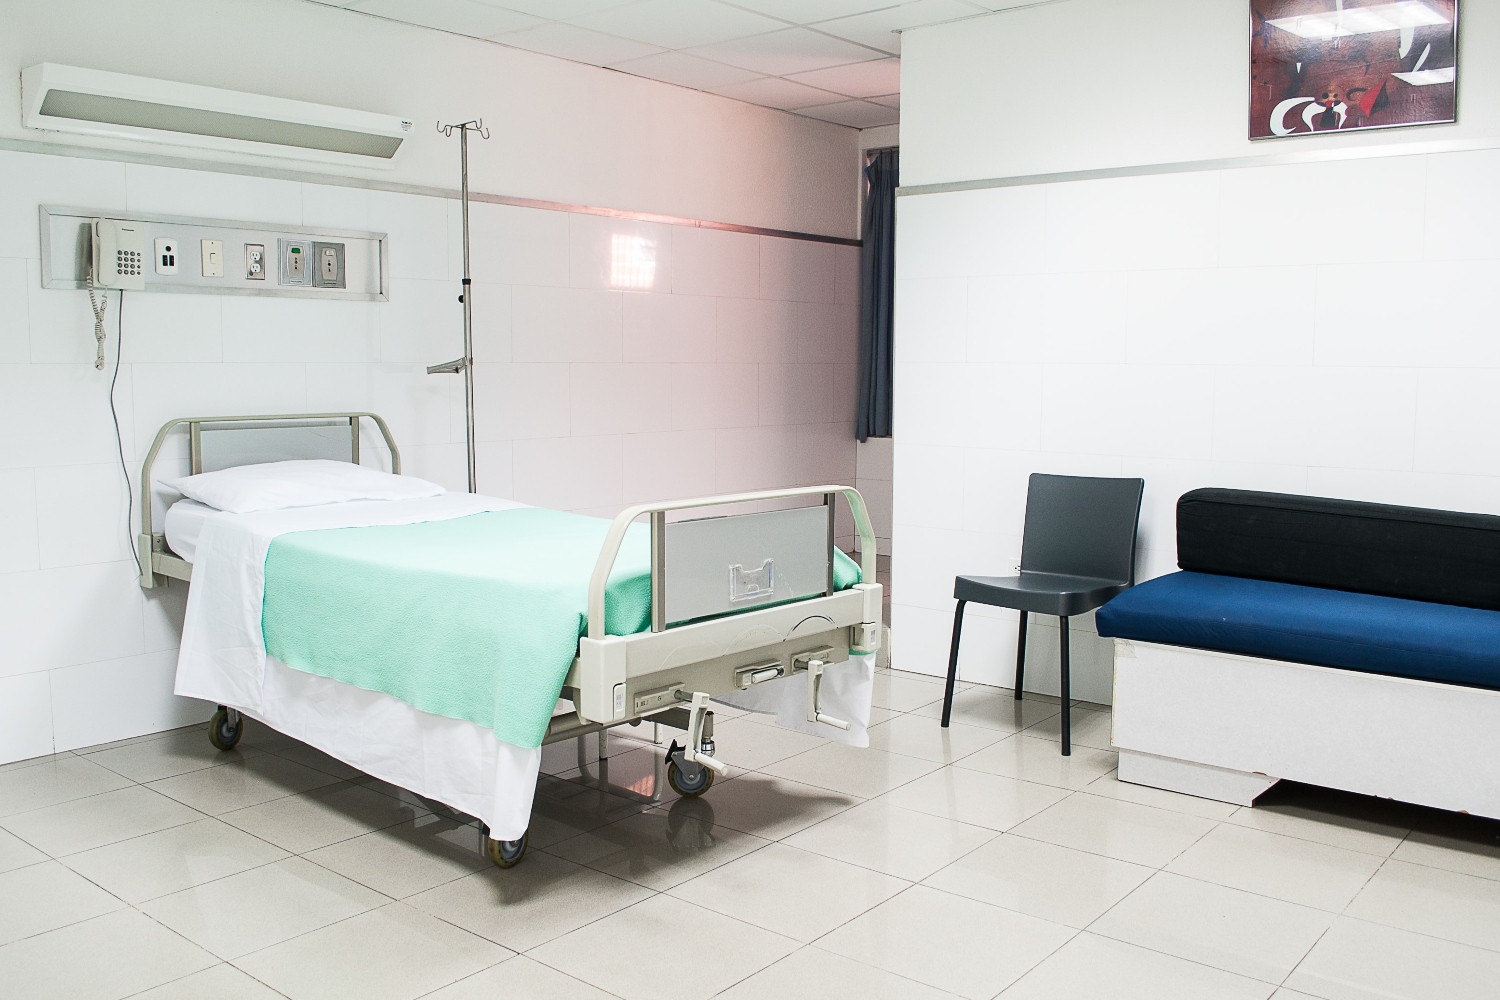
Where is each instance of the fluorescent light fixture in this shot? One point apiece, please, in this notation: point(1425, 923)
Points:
point(1406, 15)
point(632, 261)
point(92, 102)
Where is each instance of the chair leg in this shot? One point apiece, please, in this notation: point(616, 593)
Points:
point(958, 627)
point(1021, 654)
point(1062, 648)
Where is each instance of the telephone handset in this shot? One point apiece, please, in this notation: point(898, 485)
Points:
point(119, 255)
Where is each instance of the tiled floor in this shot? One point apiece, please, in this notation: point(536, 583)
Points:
point(973, 863)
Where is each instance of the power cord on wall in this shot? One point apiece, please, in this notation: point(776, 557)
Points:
point(114, 414)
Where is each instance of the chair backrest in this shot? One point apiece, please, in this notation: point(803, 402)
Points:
point(1082, 526)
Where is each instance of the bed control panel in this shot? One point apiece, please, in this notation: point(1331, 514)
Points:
point(313, 263)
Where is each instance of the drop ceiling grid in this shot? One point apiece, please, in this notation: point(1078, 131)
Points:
point(835, 60)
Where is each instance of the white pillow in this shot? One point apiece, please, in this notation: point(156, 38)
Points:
point(303, 483)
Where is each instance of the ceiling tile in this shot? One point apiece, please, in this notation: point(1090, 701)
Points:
point(887, 101)
point(685, 70)
point(780, 53)
point(556, 9)
point(464, 17)
point(856, 114)
point(568, 41)
point(878, 28)
point(774, 92)
point(808, 11)
point(865, 79)
point(677, 24)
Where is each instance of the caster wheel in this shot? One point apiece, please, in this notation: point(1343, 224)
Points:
point(506, 853)
point(690, 780)
point(221, 734)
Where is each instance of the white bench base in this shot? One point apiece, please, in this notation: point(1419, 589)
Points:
point(1227, 727)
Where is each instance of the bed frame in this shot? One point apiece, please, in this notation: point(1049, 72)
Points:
point(666, 675)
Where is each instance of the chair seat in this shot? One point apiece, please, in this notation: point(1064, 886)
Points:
point(1043, 593)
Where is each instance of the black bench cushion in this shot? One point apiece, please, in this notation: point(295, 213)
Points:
point(1446, 557)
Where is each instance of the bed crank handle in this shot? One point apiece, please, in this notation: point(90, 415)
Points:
point(697, 712)
point(814, 688)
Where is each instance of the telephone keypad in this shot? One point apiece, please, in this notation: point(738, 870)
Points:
point(128, 262)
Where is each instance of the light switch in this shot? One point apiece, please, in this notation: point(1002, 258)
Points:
point(213, 258)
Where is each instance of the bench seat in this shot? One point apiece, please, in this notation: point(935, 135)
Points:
point(1300, 624)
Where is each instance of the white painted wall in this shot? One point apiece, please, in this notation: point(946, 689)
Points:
point(561, 131)
point(1085, 84)
point(1319, 328)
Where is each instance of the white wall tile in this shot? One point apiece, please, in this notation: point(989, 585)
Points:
point(1462, 206)
point(80, 515)
point(492, 318)
point(444, 464)
point(494, 467)
point(62, 323)
point(99, 702)
point(875, 456)
point(32, 181)
point(1133, 223)
point(570, 473)
point(164, 608)
point(825, 455)
point(25, 716)
point(715, 395)
point(618, 398)
point(260, 329)
point(998, 231)
point(423, 322)
point(826, 332)
point(755, 330)
point(65, 411)
point(669, 465)
point(170, 328)
point(521, 401)
point(846, 275)
point(1056, 318)
point(1250, 315)
point(418, 407)
point(932, 315)
point(512, 246)
point(566, 324)
point(237, 197)
point(755, 458)
point(845, 392)
point(715, 262)
point(797, 270)
point(420, 238)
point(1265, 212)
point(797, 394)
point(624, 254)
point(877, 497)
point(1428, 314)
point(78, 614)
point(930, 558)
point(662, 327)
point(18, 544)
point(1455, 423)
point(1261, 414)
point(1128, 410)
point(928, 490)
point(1444, 491)
point(15, 337)
point(986, 405)
point(1365, 418)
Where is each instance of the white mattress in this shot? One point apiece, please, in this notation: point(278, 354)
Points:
point(184, 523)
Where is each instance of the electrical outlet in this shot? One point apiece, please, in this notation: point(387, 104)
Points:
point(255, 262)
point(328, 259)
point(166, 255)
point(213, 258)
point(296, 265)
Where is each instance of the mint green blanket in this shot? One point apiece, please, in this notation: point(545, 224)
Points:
point(474, 618)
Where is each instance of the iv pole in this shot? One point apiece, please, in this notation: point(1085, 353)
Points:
point(465, 364)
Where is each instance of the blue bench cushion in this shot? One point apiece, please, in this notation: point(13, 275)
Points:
point(1330, 628)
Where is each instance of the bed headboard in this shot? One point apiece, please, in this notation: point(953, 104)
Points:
point(326, 435)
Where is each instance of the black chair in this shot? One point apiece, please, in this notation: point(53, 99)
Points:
point(1077, 551)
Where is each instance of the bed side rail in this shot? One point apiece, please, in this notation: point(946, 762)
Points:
point(658, 511)
point(156, 563)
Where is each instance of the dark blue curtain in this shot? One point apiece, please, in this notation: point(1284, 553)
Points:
point(877, 274)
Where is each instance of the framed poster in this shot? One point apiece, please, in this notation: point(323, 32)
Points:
point(1346, 65)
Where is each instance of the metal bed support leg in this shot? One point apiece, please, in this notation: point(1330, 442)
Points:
point(1062, 648)
point(958, 627)
point(603, 735)
point(1021, 654)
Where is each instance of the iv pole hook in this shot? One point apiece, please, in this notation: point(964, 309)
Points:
point(465, 364)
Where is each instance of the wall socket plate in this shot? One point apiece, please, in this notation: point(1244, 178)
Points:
point(296, 262)
point(166, 255)
point(328, 263)
point(255, 261)
point(213, 258)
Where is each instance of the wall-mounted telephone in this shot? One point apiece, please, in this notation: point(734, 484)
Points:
point(119, 255)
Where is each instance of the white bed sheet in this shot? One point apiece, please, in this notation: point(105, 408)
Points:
point(223, 660)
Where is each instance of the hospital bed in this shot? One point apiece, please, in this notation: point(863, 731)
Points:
point(743, 610)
